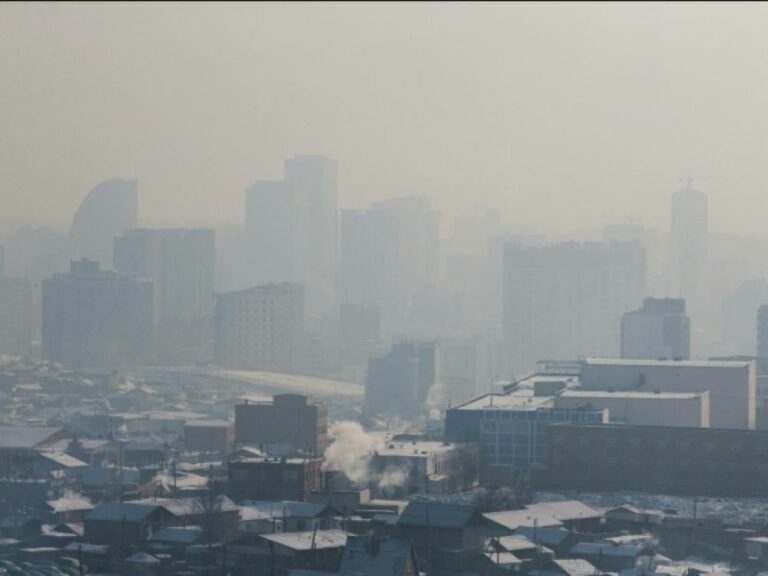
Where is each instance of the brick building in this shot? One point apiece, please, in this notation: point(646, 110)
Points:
point(283, 427)
point(660, 459)
point(274, 478)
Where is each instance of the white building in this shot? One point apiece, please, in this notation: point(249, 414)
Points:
point(260, 328)
point(660, 330)
point(685, 409)
point(565, 301)
point(731, 385)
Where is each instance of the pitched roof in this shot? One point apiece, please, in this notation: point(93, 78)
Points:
point(438, 515)
point(25, 437)
point(564, 511)
point(550, 536)
point(62, 459)
point(189, 506)
point(117, 511)
point(266, 509)
point(606, 549)
point(69, 504)
point(303, 540)
point(513, 519)
point(576, 567)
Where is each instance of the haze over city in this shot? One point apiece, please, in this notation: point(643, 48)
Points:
point(559, 116)
point(370, 289)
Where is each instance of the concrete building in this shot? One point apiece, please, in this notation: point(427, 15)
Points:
point(209, 436)
point(291, 423)
point(762, 339)
point(513, 428)
point(260, 328)
point(467, 367)
point(403, 467)
point(291, 228)
point(181, 265)
point(95, 318)
point(660, 330)
point(109, 208)
point(565, 301)
point(731, 385)
point(388, 255)
point(660, 460)
point(399, 382)
point(17, 316)
point(275, 478)
point(686, 409)
point(688, 248)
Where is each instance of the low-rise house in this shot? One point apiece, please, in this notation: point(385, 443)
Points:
point(608, 556)
point(628, 517)
point(218, 516)
point(123, 524)
point(69, 508)
point(263, 516)
point(757, 547)
point(316, 549)
point(176, 538)
point(446, 536)
point(557, 538)
point(567, 567)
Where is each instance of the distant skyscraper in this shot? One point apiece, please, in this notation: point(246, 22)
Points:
point(260, 328)
point(658, 330)
point(688, 249)
point(107, 210)
point(565, 301)
point(399, 382)
point(96, 318)
point(291, 227)
point(762, 338)
point(390, 254)
point(181, 264)
point(16, 313)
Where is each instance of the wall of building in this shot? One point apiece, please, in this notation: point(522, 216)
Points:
point(662, 460)
point(646, 409)
point(731, 385)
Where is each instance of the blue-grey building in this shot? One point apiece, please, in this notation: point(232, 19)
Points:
point(513, 428)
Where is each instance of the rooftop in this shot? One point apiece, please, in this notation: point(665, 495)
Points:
point(680, 363)
point(302, 541)
point(25, 437)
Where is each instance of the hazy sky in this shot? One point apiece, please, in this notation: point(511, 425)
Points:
point(560, 115)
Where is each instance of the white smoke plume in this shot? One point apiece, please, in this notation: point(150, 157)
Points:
point(437, 400)
point(351, 450)
point(393, 477)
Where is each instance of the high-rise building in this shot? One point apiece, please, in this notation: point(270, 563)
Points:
point(16, 313)
point(762, 338)
point(96, 318)
point(181, 264)
point(399, 383)
point(290, 424)
point(260, 328)
point(565, 301)
point(291, 225)
point(658, 330)
point(389, 255)
point(688, 248)
point(467, 367)
point(107, 210)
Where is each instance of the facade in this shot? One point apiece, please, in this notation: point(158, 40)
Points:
point(659, 330)
point(403, 467)
point(686, 409)
point(467, 367)
point(762, 339)
point(660, 460)
point(291, 225)
point(566, 300)
point(109, 208)
point(731, 385)
point(260, 328)
point(275, 478)
point(512, 430)
point(291, 423)
point(209, 436)
point(181, 264)
point(95, 318)
point(17, 316)
point(399, 382)
point(389, 253)
point(689, 256)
